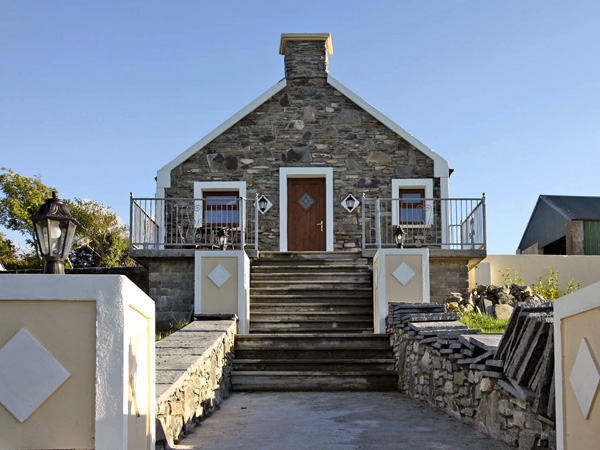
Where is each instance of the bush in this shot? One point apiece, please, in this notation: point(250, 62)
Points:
point(486, 323)
point(548, 289)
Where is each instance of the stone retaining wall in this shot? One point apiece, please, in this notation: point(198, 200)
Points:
point(471, 393)
point(193, 376)
point(171, 285)
point(448, 275)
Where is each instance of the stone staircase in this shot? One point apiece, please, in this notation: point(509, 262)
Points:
point(317, 362)
point(310, 292)
point(311, 327)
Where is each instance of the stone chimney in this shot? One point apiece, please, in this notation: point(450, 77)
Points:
point(306, 54)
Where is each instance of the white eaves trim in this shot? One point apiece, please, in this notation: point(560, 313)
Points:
point(440, 165)
point(163, 179)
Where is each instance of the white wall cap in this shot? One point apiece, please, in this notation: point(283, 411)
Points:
point(440, 165)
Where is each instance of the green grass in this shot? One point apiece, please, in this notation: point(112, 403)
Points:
point(162, 331)
point(486, 323)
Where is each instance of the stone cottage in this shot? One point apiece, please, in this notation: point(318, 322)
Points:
point(307, 166)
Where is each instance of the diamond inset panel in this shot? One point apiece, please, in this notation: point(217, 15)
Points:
point(306, 200)
point(219, 276)
point(403, 273)
point(28, 375)
point(585, 378)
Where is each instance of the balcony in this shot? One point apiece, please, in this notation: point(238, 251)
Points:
point(159, 224)
point(187, 224)
point(447, 224)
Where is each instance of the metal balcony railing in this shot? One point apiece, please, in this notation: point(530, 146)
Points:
point(218, 222)
point(453, 224)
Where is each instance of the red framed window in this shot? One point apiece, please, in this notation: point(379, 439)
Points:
point(411, 206)
point(221, 208)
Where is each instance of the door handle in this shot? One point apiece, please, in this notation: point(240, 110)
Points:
point(320, 224)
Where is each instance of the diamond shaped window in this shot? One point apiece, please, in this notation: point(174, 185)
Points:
point(306, 201)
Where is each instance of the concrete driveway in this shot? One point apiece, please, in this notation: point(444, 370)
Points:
point(332, 421)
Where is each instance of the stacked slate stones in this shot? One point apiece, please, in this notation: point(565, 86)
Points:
point(527, 352)
point(479, 353)
point(521, 359)
point(430, 324)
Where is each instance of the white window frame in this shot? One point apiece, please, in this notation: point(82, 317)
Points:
point(411, 183)
point(305, 172)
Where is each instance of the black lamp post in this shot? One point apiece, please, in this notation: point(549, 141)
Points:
point(399, 236)
point(222, 237)
point(54, 230)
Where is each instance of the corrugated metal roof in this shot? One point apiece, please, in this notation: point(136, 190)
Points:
point(582, 208)
point(550, 215)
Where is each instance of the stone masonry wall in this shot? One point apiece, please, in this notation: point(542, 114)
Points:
point(447, 275)
point(193, 376)
point(171, 285)
point(307, 124)
point(475, 397)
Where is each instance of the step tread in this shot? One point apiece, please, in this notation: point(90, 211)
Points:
point(309, 304)
point(314, 287)
point(315, 320)
point(374, 336)
point(310, 313)
point(318, 361)
point(315, 373)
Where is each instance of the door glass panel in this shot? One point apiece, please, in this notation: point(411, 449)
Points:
point(306, 201)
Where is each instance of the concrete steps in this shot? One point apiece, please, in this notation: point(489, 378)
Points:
point(311, 292)
point(311, 327)
point(317, 362)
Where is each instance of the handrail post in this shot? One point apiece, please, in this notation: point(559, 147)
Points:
point(362, 208)
point(242, 219)
point(377, 223)
point(256, 222)
point(484, 223)
point(130, 220)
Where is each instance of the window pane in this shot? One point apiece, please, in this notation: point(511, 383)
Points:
point(221, 208)
point(221, 217)
point(409, 197)
point(221, 201)
point(411, 215)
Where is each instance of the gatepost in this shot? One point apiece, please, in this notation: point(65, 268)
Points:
point(76, 363)
point(577, 369)
point(399, 275)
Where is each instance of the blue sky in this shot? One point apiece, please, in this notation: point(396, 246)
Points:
point(97, 96)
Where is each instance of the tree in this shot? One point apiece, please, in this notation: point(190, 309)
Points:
point(22, 198)
point(100, 241)
point(13, 258)
point(8, 252)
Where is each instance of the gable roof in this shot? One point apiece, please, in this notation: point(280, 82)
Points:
point(574, 207)
point(163, 179)
point(550, 215)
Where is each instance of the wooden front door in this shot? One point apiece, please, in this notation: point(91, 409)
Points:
point(306, 214)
